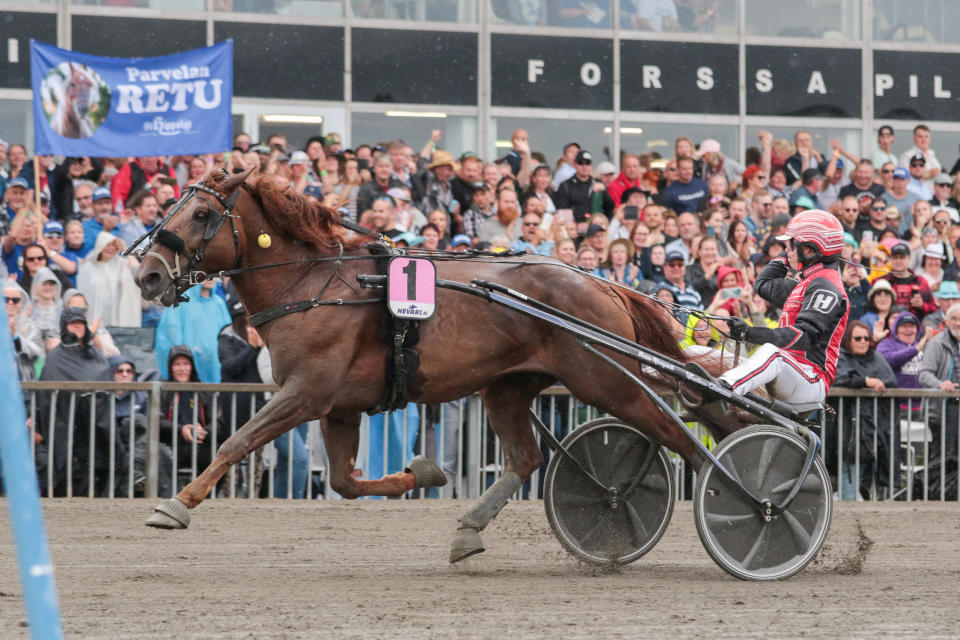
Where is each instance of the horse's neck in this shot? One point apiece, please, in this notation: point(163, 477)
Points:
point(69, 121)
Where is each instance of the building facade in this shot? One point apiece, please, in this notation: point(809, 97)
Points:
point(610, 74)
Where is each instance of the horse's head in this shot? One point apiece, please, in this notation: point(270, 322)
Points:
point(198, 236)
point(77, 89)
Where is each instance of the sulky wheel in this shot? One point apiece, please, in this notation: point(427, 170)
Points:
point(622, 521)
point(767, 460)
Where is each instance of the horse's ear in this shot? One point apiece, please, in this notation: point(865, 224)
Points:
point(235, 180)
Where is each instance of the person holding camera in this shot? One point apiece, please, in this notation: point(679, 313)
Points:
point(142, 173)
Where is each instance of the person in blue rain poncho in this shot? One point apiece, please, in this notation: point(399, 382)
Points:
point(196, 324)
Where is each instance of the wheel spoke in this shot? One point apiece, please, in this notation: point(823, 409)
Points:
point(797, 532)
point(757, 545)
point(639, 528)
point(729, 518)
point(648, 459)
point(811, 484)
point(593, 530)
point(771, 447)
point(579, 500)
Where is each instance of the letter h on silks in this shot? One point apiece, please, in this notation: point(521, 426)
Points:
point(798, 359)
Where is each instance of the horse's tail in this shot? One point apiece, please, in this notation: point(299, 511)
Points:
point(652, 329)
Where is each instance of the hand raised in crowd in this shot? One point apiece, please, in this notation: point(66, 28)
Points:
point(766, 138)
point(916, 300)
point(435, 135)
point(879, 333)
point(928, 333)
point(598, 187)
point(187, 432)
point(875, 383)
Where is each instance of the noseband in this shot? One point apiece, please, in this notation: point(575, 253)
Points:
point(160, 235)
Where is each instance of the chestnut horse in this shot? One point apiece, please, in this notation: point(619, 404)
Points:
point(72, 118)
point(330, 361)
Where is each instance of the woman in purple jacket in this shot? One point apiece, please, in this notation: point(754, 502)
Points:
point(903, 349)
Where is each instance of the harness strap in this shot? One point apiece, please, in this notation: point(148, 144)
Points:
point(273, 313)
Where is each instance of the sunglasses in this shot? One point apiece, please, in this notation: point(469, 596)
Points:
point(860, 338)
point(35, 259)
point(53, 235)
point(766, 204)
point(879, 208)
point(531, 224)
point(9, 300)
point(917, 164)
point(940, 221)
point(676, 264)
point(125, 370)
point(852, 209)
point(886, 171)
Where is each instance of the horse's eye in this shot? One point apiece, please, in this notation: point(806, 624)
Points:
point(201, 214)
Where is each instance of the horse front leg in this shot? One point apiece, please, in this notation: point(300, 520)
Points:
point(284, 410)
point(341, 437)
point(507, 402)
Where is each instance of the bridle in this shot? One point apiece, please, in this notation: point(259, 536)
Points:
point(184, 279)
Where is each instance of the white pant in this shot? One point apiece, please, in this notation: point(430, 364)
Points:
point(786, 379)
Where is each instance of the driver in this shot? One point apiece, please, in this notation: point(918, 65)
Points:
point(798, 359)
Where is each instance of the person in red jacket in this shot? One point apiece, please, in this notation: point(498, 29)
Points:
point(142, 173)
point(630, 174)
point(909, 290)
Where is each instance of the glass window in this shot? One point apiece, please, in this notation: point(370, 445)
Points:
point(459, 132)
point(419, 10)
point(172, 5)
point(313, 8)
point(549, 137)
point(803, 18)
point(916, 20)
point(943, 143)
point(297, 129)
point(16, 123)
point(850, 139)
point(553, 13)
point(701, 16)
point(642, 137)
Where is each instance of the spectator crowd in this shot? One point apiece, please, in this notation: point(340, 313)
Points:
point(693, 228)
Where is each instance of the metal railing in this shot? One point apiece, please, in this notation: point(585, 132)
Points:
point(877, 445)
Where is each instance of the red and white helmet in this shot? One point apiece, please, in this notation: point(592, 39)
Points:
point(817, 227)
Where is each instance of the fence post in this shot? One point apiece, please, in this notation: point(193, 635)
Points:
point(152, 467)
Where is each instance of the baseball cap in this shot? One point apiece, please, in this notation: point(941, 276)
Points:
point(629, 192)
point(811, 174)
point(53, 227)
point(409, 237)
point(948, 290)
point(901, 173)
point(943, 178)
point(100, 193)
point(850, 240)
point(781, 220)
point(675, 255)
point(707, 146)
point(313, 190)
point(18, 182)
point(299, 157)
point(584, 157)
point(918, 157)
point(805, 202)
point(260, 148)
point(893, 213)
point(594, 229)
point(900, 248)
point(460, 239)
point(605, 167)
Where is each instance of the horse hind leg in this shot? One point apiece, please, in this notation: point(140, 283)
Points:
point(507, 402)
point(341, 437)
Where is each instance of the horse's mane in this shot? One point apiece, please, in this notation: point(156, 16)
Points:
point(292, 215)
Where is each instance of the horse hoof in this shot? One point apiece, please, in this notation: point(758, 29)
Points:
point(172, 514)
point(425, 473)
point(467, 542)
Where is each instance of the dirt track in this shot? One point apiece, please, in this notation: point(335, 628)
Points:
point(379, 569)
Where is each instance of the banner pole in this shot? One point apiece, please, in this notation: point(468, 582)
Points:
point(23, 502)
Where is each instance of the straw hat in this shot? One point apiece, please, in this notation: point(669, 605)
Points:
point(441, 158)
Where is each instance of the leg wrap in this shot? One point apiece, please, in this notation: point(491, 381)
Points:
point(491, 502)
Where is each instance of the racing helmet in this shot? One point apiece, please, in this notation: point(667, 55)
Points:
point(820, 231)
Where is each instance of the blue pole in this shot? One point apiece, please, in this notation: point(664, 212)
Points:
point(23, 499)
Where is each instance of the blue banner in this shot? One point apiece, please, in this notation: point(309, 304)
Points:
point(87, 105)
